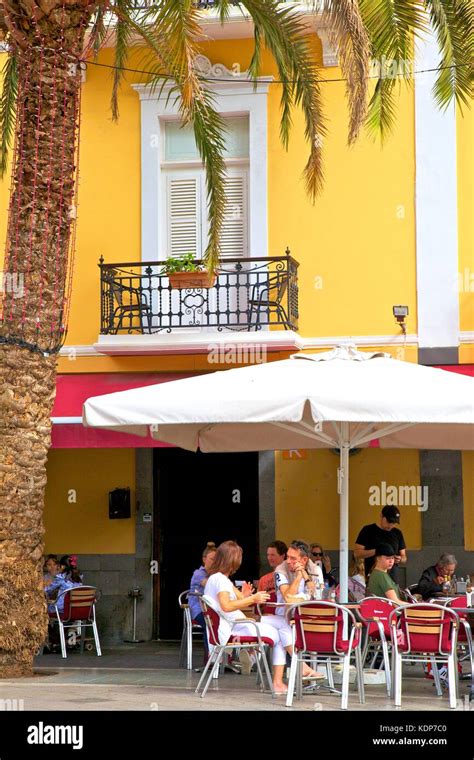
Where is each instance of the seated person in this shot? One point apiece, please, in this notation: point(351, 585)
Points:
point(276, 554)
point(198, 581)
point(380, 582)
point(322, 559)
point(223, 596)
point(50, 562)
point(60, 582)
point(68, 567)
point(356, 584)
point(432, 579)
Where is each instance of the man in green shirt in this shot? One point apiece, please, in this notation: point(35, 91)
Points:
point(380, 582)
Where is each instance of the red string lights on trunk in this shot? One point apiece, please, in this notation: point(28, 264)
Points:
point(39, 256)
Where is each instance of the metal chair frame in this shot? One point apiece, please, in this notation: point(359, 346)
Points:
point(190, 629)
point(218, 650)
point(311, 657)
point(373, 646)
point(69, 622)
point(449, 658)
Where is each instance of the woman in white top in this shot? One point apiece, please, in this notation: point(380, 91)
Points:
point(229, 601)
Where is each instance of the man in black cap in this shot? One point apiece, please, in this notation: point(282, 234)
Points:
point(384, 533)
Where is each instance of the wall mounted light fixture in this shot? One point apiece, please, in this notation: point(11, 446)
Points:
point(401, 313)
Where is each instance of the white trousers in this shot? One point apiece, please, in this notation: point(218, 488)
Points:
point(273, 627)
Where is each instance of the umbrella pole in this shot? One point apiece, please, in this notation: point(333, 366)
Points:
point(343, 489)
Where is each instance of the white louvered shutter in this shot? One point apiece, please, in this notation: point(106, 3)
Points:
point(184, 215)
point(234, 235)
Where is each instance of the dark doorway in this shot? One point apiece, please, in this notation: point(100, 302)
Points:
point(199, 498)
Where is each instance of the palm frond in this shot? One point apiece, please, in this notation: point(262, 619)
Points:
point(347, 32)
point(98, 32)
point(285, 35)
point(170, 30)
point(123, 37)
point(392, 25)
point(381, 113)
point(453, 24)
point(8, 100)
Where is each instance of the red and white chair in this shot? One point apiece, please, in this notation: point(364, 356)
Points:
point(78, 612)
point(420, 632)
point(374, 611)
point(465, 640)
point(256, 643)
point(190, 629)
point(325, 631)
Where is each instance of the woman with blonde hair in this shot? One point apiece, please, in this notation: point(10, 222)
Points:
point(221, 594)
point(356, 585)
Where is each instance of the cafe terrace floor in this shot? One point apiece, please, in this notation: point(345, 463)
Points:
point(147, 677)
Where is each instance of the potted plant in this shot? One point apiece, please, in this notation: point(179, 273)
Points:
point(184, 272)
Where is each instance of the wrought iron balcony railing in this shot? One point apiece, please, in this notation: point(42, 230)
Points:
point(249, 294)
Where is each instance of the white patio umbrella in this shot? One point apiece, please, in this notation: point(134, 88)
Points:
point(339, 399)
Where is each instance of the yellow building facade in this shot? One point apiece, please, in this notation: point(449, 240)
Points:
point(392, 226)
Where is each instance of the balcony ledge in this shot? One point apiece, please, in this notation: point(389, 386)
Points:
point(203, 342)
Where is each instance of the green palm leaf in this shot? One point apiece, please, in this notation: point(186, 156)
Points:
point(348, 33)
point(453, 23)
point(170, 31)
point(8, 108)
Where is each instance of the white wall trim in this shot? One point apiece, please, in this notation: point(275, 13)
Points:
point(230, 98)
point(361, 340)
point(197, 343)
point(186, 342)
point(278, 339)
point(436, 209)
point(76, 352)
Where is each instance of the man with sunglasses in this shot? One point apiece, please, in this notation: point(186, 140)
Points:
point(320, 558)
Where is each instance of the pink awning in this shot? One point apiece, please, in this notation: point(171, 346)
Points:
point(73, 390)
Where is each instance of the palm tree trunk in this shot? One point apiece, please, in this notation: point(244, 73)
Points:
point(48, 37)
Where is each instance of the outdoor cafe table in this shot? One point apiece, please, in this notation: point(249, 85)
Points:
point(469, 611)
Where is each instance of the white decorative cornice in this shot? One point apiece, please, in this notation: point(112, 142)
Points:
point(330, 57)
point(211, 70)
point(217, 77)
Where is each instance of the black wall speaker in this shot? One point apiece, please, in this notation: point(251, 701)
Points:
point(119, 503)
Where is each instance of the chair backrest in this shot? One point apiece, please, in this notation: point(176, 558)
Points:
point(425, 627)
point(183, 599)
point(319, 627)
point(459, 601)
point(277, 286)
point(212, 622)
point(79, 603)
point(119, 290)
point(380, 608)
point(265, 609)
point(409, 592)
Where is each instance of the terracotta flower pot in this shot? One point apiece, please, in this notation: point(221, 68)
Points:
point(186, 280)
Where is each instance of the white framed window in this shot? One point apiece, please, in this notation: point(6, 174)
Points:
point(184, 215)
point(237, 98)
